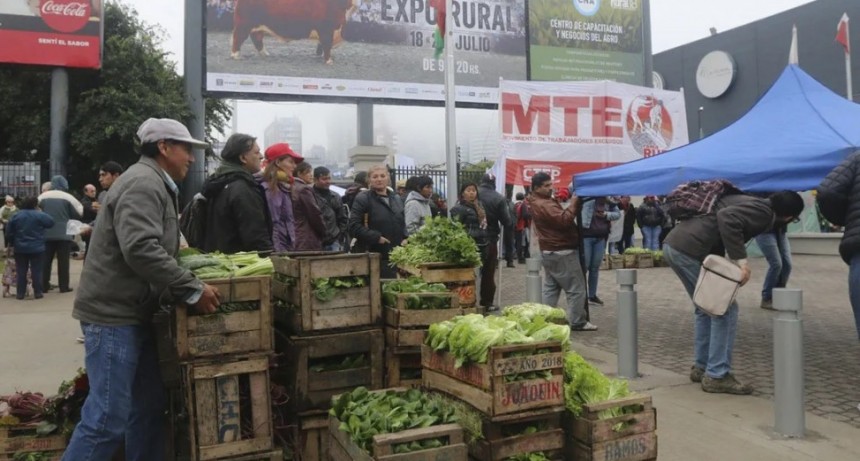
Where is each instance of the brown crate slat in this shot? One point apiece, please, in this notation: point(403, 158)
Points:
point(458, 279)
point(312, 390)
point(591, 438)
point(46, 456)
point(645, 260)
point(351, 307)
point(616, 261)
point(229, 405)
point(237, 332)
point(631, 261)
point(15, 439)
point(400, 363)
point(483, 385)
point(497, 445)
point(344, 449)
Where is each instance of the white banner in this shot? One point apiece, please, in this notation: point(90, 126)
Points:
point(564, 128)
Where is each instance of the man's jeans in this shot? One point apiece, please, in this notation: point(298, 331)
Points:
point(651, 237)
point(594, 249)
point(777, 251)
point(714, 336)
point(563, 272)
point(126, 399)
point(854, 289)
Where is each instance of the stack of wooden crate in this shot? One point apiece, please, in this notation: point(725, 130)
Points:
point(22, 442)
point(508, 405)
point(224, 370)
point(324, 348)
point(405, 331)
point(629, 437)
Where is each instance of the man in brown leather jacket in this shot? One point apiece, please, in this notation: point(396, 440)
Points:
point(558, 240)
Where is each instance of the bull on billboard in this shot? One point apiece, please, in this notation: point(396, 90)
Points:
point(65, 33)
point(563, 128)
point(362, 48)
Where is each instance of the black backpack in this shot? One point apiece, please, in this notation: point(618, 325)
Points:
point(192, 222)
point(697, 198)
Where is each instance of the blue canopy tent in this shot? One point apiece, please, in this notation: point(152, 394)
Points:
point(790, 139)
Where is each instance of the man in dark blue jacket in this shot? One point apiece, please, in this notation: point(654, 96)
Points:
point(498, 218)
point(26, 234)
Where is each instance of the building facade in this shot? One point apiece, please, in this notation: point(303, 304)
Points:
point(284, 129)
point(723, 75)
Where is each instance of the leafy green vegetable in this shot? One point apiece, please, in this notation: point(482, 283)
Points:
point(326, 288)
point(216, 265)
point(335, 363)
point(584, 383)
point(534, 456)
point(392, 288)
point(528, 311)
point(438, 240)
point(363, 414)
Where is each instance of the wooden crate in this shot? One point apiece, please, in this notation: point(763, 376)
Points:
point(458, 279)
point(312, 390)
point(344, 449)
point(591, 439)
point(351, 308)
point(229, 407)
point(269, 455)
point(309, 437)
point(604, 265)
point(631, 261)
point(483, 385)
point(237, 332)
point(408, 327)
point(645, 260)
point(497, 445)
point(23, 439)
point(616, 261)
point(398, 361)
point(56, 455)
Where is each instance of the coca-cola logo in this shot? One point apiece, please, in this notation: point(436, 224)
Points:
point(65, 15)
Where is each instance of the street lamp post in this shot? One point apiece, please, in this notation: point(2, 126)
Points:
point(701, 133)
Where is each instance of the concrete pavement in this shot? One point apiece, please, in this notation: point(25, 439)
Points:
point(38, 351)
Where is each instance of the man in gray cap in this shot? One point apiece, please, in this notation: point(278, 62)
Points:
point(131, 272)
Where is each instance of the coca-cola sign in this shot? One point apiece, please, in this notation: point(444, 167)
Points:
point(65, 15)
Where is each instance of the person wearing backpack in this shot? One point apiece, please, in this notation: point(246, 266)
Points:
point(522, 229)
point(838, 199)
point(650, 217)
point(723, 229)
point(237, 217)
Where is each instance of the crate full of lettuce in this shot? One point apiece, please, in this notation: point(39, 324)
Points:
point(411, 305)
point(321, 292)
point(394, 424)
point(441, 252)
point(604, 420)
point(243, 321)
point(499, 365)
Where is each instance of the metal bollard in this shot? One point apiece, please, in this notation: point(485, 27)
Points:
point(534, 285)
point(788, 399)
point(628, 324)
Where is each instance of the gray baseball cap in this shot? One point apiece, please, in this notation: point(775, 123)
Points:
point(156, 129)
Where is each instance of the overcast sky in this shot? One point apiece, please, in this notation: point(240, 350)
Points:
point(674, 23)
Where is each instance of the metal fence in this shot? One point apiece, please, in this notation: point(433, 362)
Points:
point(21, 179)
point(439, 177)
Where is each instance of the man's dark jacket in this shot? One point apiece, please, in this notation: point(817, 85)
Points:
point(497, 210)
point(237, 218)
point(839, 202)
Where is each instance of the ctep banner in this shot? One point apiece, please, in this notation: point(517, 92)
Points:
point(362, 48)
point(565, 128)
point(65, 33)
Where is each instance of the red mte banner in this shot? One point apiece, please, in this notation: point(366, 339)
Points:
point(64, 33)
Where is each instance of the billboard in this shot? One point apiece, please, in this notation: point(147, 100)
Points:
point(64, 33)
point(361, 48)
point(586, 40)
point(564, 128)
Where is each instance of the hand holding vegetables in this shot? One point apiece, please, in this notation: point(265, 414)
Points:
point(209, 300)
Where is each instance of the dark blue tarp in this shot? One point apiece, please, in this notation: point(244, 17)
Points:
point(790, 139)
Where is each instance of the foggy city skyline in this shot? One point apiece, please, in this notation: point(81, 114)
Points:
point(420, 130)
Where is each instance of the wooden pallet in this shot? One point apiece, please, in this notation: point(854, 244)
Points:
point(591, 439)
point(498, 445)
point(458, 279)
point(23, 439)
point(408, 327)
point(351, 308)
point(312, 390)
point(229, 407)
point(397, 362)
point(483, 385)
point(342, 448)
point(200, 336)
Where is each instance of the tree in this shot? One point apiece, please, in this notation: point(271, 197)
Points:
point(106, 106)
